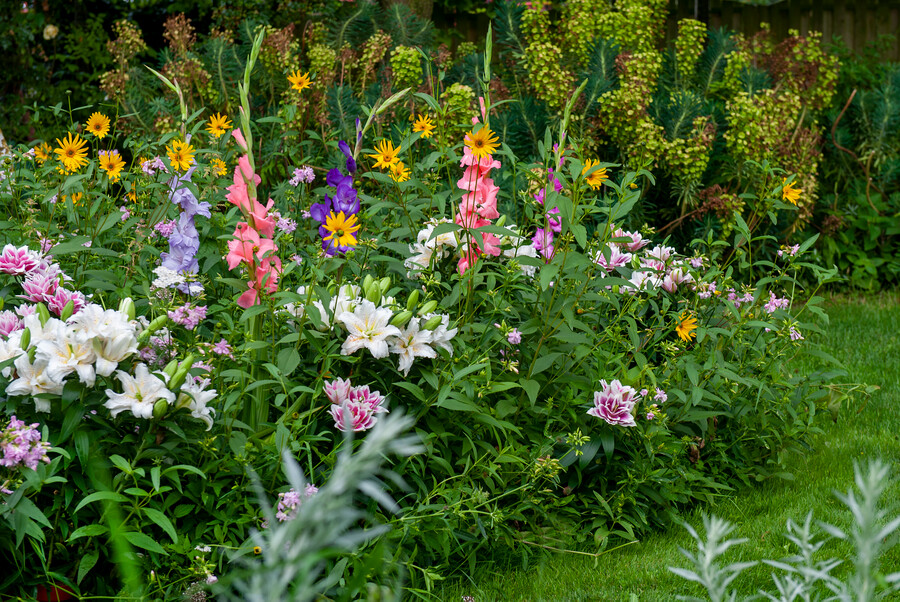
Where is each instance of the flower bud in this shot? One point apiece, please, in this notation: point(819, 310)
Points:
point(433, 322)
point(178, 378)
point(501, 220)
point(373, 293)
point(26, 338)
point(401, 319)
point(385, 284)
point(2, 303)
point(367, 282)
point(67, 311)
point(43, 313)
point(170, 368)
point(428, 308)
point(126, 306)
point(156, 324)
point(160, 408)
point(413, 300)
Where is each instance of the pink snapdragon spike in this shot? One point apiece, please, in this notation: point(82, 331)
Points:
point(615, 403)
point(239, 137)
point(18, 261)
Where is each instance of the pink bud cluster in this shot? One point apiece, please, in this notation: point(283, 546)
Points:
point(354, 408)
point(253, 244)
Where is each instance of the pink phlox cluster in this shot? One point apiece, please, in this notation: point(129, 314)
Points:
point(776, 303)
point(615, 403)
point(289, 502)
point(252, 245)
point(303, 174)
point(795, 334)
point(165, 227)
point(222, 348)
point(791, 250)
point(739, 299)
point(705, 290)
point(661, 396)
point(477, 207)
point(188, 316)
point(21, 445)
point(361, 403)
point(514, 336)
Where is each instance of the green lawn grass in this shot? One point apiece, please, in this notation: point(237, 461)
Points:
point(864, 335)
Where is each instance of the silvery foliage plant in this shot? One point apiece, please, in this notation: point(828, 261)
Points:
point(803, 577)
point(326, 528)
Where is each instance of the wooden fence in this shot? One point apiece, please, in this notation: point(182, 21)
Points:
point(855, 22)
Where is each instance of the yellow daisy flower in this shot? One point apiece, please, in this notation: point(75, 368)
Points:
point(789, 194)
point(180, 154)
point(42, 152)
point(423, 124)
point(218, 167)
point(98, 125)
point(595, 180)
point(299, 82)
point(482, 143)
point(687, 324)
point(343, 229)
point(386, 154)
point(71, 152)
point(111, 162)
point(218, 125)
point(399, 172)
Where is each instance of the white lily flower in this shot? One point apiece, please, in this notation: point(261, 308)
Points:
point(410, 344)
point(69, 354)
point(195, 396)
point(141, 392)
point(9, 349)
point(441, 336)
point(368, 326)
point(33, 379)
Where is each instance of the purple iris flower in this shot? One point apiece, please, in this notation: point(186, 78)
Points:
point(351, 163)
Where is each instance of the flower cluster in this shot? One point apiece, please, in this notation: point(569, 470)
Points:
point(429, 246)
point(377, 328)
point(289, 501)
point(253, 244)
point(20, 444)
point(354, 408)
point(479, 202)
point(41, 282)
point(337, 214)
point(184, 240)
point(188, 316)
point(615, 403)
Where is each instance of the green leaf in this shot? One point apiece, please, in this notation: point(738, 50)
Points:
point(163, 521)
point(143, 541)
point(532, 388)
point(88, 531)
point(87, 563)
point(101, 495)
